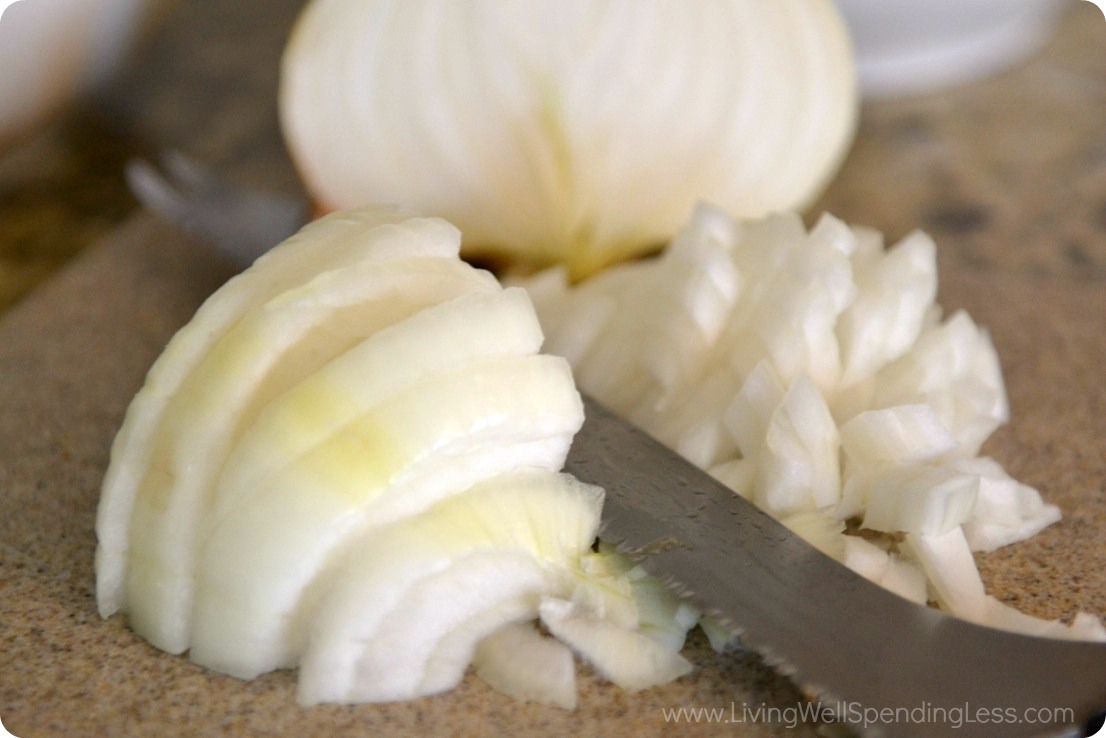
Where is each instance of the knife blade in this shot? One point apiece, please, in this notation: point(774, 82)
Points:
point(887, 666)
point(877, 662)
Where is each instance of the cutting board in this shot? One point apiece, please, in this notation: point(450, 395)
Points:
point(1008, 175)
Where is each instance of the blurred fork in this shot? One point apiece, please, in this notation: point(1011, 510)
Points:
point(240, 222)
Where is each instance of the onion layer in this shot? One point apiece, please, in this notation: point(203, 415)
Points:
point(348, 461)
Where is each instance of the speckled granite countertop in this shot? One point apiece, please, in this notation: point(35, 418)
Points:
point(1009, 175)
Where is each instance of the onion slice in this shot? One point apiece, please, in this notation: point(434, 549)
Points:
point(383, 630)
point(350, 463)
point(629, 659)
point(326, 244)
point(520, 662)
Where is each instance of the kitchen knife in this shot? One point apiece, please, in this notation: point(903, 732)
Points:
point(886, 665)
point(871, 659)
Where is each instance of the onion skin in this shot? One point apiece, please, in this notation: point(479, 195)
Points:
point(577, 132)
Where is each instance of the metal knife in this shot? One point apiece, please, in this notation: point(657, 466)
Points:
point(883, 665)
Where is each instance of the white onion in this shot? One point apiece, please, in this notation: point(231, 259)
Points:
point(519, 662)
point(947, 559)
point(1006, 511)
point(904, 433)
point(820, 530)
point(798, 461)
point(348, 461)
point(902, 577)
point(918, 499)
point(575, 131)
point(631, 660)
point(325, 245)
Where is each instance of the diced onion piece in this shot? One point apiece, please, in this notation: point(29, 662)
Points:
point(737, 474)
point(799, 459)
point(701, 285)
point(948, 561)
point(823, 532)
point(865, 558)
point(918, 499)
point(704, 442)
point(629, 659)
point(520, 662)
point(894, 292)
point(952, 367)
point(612, 365)
point(1084, 627)
point(796, 287)
point(1005, 510)
point(662, 615)
point(903, 578)
point(906, 434)
point(721, 637)
point(748, 416)
point(950, 567)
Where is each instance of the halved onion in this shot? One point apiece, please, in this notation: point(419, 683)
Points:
point(349, 461)
point(324, 245)
point(577, 131)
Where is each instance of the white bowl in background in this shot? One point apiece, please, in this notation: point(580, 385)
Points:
point(914, 46)
point(53, 50)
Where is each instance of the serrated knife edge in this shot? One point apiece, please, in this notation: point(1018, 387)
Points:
point(834, 632)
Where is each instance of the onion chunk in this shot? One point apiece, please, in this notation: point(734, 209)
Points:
point(813, 373)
